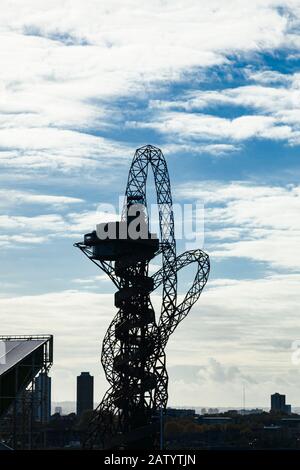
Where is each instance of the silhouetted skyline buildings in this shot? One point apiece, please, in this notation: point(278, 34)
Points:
point(85, 393)
point(278, 404)
point(42, 397)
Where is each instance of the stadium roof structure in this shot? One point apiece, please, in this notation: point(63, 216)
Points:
point(21, 359)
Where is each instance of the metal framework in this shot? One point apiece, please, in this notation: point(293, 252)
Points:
point(18, 398)
point(133, 352)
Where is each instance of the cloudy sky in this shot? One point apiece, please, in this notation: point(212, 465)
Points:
point(216, 85)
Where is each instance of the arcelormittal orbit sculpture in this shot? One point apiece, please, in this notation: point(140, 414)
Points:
point(133, 352)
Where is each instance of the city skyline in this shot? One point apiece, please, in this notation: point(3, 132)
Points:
point(216, 87)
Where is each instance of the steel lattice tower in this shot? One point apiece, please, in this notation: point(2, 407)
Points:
point(133, 352)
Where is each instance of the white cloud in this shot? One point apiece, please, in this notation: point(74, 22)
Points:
point(12, 197)
point(268, 76)
point(274, 97)
point(91, 282)
point(247, 327)
point(268, 99)
point(242, 220)
point(45, 222)
point(217, 150)
point(258, 222)
point(214, 371)
point(61, 71)
point(39, 228)
point(57, 148)
point(208, 127)
point(213, 191)
point(23, 239)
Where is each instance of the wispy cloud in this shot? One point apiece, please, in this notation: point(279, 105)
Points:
point(267, 109)
point(39, 228)
point(207, 127)
point(258, 222)
point(44, 148)
point(13, 197)
point(60, 72)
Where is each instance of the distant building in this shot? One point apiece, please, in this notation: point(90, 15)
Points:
point(210, 411)
point(278, 404)
point(85, 393)
point(213, 411)
point(254, 411)
point(42, 397)
point(58, 410)
point(233, 412)
point(288, 409)
point(180, 413)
